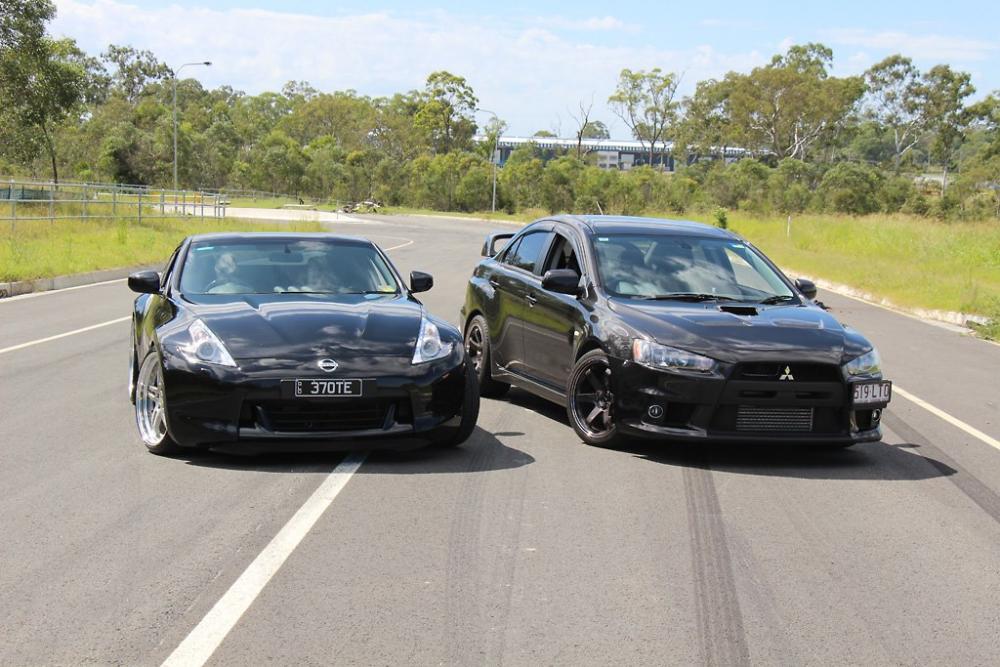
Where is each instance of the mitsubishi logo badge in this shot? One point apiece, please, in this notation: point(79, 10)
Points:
point(787, 375)
point(328, 365)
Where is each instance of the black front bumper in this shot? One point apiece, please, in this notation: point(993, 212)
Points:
point(256, 410)
point(739, 406)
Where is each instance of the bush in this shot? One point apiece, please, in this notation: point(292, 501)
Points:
point(721, 217)
point(851, 188)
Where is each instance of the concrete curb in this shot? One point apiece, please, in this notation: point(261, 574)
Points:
point(22, 287)
point(949, 317)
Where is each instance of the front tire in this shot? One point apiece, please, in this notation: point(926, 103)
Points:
point(151, 407)
point(477, 351)
point(451, 436)
point(590, 401)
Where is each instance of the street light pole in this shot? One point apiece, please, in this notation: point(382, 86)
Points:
point(205, 63)
point(493, 156)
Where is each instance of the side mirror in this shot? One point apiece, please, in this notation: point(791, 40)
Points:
point(144, 282)
point(563, 281)
point(420, 281)
point(495, 243)
point(807, 287)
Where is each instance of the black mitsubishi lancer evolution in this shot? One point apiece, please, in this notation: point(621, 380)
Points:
point(293, 342)
point(667, 329)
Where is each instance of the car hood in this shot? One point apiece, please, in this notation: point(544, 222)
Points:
point(782, 332)
point(315, 326)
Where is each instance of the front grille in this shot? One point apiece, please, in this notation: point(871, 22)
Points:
point(330, 415)
point(765, 418)
point(799, 372)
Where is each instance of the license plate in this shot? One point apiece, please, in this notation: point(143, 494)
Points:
point(867, 393)
point(327, 388)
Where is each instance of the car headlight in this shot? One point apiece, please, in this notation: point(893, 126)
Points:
point(205, 347)
point(652, 354)
point(429, 343)
point(869, 363)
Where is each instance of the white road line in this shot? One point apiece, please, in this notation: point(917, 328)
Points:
point(12, 348)
point(32, 295)
point(202, 642)
point(401, 245)
point(954, 421)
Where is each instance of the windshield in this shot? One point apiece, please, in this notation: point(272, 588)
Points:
point(286, 266)
point(662, 266)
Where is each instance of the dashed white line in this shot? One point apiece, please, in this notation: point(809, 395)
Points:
point(206, 637)
point(30, 343)
point(954, 421)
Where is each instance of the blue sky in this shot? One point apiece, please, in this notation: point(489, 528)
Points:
point(530, 62)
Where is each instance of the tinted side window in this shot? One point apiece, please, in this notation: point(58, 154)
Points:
point(165, 276)
point(562, 256)
point(511, 252)
point(528, 250)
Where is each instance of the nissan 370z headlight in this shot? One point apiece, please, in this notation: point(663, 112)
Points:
point(869, 363)
point(429, 344)
point(654, 355)
point(205, 347)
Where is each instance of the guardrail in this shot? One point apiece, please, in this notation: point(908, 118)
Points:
point(22, 200)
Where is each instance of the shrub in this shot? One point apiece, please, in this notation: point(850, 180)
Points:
point(851, 188)
point(721, 217)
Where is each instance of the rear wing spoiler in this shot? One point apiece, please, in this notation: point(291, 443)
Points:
point(495, 243)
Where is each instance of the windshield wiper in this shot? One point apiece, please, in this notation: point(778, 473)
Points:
point(777, 298)
point(687, 296)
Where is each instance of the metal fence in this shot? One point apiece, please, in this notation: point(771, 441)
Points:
point(22, 200)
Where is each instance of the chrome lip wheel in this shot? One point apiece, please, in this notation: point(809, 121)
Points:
point(593, 400)
point(474, 347)
point(150, 405)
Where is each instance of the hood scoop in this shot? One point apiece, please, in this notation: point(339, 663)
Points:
point(746, 311)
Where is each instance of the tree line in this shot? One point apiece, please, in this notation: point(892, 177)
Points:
point(894, 138)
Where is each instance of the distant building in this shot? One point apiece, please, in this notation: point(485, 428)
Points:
point(610, 153)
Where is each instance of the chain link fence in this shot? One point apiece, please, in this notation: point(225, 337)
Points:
point(25, 200)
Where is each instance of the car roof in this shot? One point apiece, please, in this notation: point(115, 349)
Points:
point(217, 237)
point(625, 224)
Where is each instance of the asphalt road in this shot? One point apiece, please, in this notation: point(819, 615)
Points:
point(522, 547)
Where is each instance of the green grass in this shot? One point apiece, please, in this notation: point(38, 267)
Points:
point(42, 249)
point(523, 216)
point(274, 202)
point(912, 262)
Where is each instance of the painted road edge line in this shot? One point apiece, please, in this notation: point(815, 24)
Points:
point(30, 343)
point(954, 421)
point(206, 637)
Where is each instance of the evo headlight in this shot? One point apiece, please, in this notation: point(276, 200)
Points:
point(869, 363)
point(429, 344)
point(654, 355)
point(205, 347)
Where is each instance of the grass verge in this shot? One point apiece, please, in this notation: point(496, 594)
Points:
point(275, 202)
point(42, 249)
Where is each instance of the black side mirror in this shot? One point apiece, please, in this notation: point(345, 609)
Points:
point(420, 281)
point(495, 243)
point(144, 282)
point(563, 281)
point(807, 287)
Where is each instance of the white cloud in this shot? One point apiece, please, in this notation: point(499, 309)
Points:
point(529, 72)
point(926, 47)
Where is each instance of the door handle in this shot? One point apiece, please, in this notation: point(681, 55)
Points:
point(494, 282)
point(531, 299)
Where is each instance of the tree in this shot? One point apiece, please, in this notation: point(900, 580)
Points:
point(445, 114)
point(708, 124)
point(22, 23)
point(40, 86)
point(582, 123)
point(595, 129)
point(895, 100)
point(944, 90)
point(791, 104)
point(645, 103)
point(134, 70)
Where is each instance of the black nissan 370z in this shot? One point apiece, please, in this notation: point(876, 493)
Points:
point(666, 329)
point(292, 341)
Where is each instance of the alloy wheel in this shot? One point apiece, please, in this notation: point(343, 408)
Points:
point(150, 402)
point(593, 400)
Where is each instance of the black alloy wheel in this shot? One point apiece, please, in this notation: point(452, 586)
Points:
point(590, 401)
point(477, 350)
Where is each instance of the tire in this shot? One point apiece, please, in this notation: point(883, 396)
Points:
point(451, 436)
point(590, 401)
point(477, 350)
point(151, 407)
